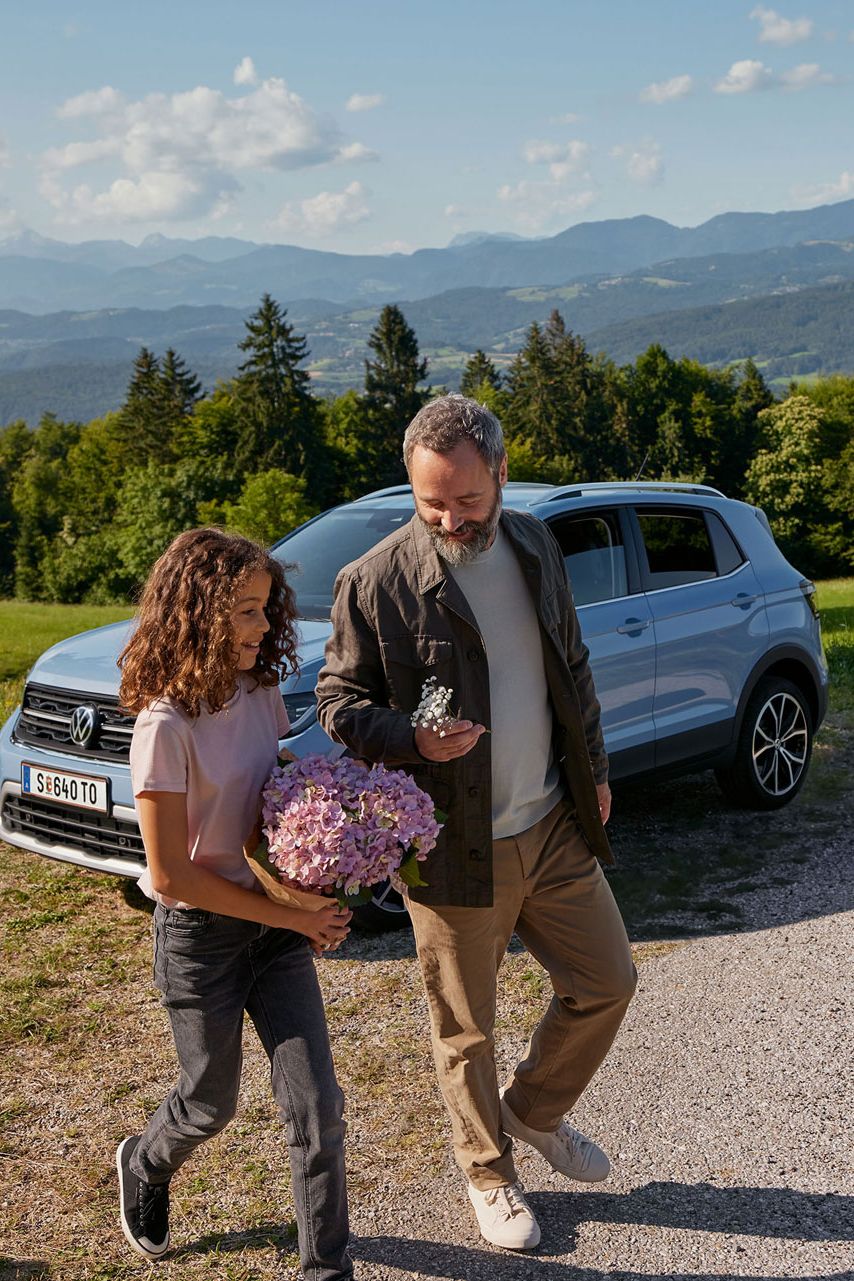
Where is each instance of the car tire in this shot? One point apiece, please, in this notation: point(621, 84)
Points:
point(385, 912)
point(774, 747)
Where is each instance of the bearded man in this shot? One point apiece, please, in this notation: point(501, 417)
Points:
point(478, 597)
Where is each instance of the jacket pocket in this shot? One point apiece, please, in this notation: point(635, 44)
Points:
point(409, 661)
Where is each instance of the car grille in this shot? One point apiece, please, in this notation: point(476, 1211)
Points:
point(45, 721)
point(90, 833)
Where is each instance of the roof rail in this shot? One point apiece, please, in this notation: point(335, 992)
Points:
point(651, 486)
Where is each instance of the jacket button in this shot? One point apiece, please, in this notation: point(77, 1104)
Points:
point(474, 791)
point(476, 856)
point(474, 655)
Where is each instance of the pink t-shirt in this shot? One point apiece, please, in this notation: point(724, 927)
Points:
point(221, 760)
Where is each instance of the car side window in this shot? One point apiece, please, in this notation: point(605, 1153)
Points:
point(678, 547)
point(595, 556)
point(727, 551)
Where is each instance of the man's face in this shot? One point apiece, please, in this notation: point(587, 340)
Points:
point(457, 499)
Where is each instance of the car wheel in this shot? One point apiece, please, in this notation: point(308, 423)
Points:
point(386, 911)
point(774, 747)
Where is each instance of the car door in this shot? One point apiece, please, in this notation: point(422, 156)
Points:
point(709, 621)
point(616, 623)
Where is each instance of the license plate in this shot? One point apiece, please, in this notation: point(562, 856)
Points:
point(80, 790)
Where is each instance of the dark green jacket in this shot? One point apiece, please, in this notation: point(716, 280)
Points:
point(398, 618)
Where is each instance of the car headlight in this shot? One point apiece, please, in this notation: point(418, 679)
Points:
point(301, 707)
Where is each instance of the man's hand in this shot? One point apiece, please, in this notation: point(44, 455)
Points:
point(457, 740)
point(603, 791)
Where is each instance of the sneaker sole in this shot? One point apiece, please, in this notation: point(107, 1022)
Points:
point(151, 1256)
point(510, 1122)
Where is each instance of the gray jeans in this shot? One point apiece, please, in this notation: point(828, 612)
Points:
point(209, 969)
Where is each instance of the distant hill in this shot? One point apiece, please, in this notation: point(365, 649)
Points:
point(788, 335)
point(39, 275)
point(77, 363)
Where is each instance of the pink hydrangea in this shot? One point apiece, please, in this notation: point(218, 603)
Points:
point(335, 827)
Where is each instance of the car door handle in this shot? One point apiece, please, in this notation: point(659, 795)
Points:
point(743, 599)
point(634, 626)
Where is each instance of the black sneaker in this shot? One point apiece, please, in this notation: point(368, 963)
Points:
point(144, 1207)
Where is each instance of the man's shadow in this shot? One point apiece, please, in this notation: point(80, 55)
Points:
point(777, 1213)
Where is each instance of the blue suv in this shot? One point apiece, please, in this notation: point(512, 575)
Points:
point(704, 641)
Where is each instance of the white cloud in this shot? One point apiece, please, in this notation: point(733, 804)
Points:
point(364, 101)
point(562, 158)
point(825, 193)
point(9, 221)
point(149, 197)
point(180, 155)
point(643, 161)
point(95, 102)
point(5, 153)
point(325, 213)
point(537, 205)
point(396, 247)
point(667, 90)
point(745, 76)
point(356, 151)
point(455, 211)
point(568, 118)
point(245, 73)
point(775, 29)
point(808, 75)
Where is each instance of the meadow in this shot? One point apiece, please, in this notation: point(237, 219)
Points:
point(85, 1050)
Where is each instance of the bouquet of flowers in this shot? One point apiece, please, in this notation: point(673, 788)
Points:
point(338, 828)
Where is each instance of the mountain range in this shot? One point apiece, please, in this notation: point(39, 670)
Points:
point(73, 316)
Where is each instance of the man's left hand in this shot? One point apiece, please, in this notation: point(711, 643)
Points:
point(603, 791)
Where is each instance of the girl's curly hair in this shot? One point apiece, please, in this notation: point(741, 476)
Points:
point(183, 645)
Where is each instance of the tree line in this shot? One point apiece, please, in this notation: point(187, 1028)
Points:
point(85, 509)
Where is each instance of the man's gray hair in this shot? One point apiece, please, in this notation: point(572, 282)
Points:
point(447, 422)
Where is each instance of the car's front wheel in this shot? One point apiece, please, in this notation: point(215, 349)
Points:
point(774, 747)
point(386, 911)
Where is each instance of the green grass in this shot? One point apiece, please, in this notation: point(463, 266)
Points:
point(27, 630)
point(836, 602)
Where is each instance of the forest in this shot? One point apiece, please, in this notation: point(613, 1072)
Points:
point(85, 508)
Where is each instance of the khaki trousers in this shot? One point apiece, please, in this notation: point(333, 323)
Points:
point(550, 890)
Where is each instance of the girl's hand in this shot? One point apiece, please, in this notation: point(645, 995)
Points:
point(326, 928)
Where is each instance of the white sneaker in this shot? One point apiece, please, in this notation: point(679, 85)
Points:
point(504, 1217)
point(566, 1150)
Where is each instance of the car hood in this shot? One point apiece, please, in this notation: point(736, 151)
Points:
point(88, 662)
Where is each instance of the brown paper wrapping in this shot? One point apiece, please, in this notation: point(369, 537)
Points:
point(279, 893)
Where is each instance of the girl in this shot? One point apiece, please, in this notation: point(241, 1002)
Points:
point(216, 624)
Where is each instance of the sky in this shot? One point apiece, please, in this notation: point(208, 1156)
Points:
point(365, 126)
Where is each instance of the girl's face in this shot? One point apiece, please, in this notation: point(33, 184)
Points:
point(249, 620)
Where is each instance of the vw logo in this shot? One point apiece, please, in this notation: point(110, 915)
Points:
point(84, 725)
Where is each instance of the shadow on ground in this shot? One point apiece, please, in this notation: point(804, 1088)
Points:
point(775, 1213)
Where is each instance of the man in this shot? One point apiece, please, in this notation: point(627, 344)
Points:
point(478, 598)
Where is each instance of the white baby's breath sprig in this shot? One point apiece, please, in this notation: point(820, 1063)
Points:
point(434, 710)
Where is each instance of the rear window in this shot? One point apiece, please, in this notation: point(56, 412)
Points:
point(678, 548)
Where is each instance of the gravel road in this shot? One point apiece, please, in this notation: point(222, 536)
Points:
point(726, 1108)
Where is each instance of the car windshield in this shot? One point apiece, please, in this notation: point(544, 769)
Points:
point(321, 548)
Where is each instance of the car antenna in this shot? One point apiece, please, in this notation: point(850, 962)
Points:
point(643, 464)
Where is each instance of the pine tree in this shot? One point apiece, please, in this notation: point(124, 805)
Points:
point(278, 415)
point(180, 389)
point(479, 370)
point(140, 414)
point(392, 397)
point(161, 396)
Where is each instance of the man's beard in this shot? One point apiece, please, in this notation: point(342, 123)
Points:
point(453, 550)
